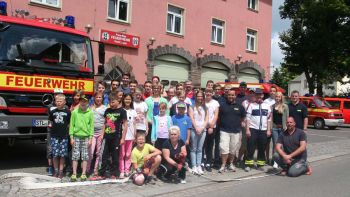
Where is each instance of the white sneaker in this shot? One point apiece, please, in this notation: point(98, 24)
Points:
point(199, 170)
point(232, 168)
point(183, 181)
point(275, 165)
point(122, 175)
point(222, 169)
point(194, 170)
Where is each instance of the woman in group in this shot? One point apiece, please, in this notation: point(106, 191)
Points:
point(101, 88)
point(280, 113)
point(199, 116)
point(174, 154)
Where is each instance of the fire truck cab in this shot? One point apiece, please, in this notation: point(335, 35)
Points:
point(38, 55)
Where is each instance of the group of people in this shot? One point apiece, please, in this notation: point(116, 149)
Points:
point(156, 133)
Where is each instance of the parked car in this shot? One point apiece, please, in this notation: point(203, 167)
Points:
point(343, 104)
point(321, 113)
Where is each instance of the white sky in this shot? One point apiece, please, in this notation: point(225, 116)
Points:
point(278, 25)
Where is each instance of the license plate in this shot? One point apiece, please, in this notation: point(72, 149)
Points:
point(40, 123)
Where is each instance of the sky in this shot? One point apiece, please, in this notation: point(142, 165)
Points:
point(278, 25)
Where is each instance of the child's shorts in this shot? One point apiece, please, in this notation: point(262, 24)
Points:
point(59, 147)
point(80, 149)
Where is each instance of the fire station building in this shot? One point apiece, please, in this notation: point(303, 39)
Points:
point(176, 40)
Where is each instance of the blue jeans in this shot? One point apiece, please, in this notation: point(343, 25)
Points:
point(295, 169)
point(197, 142)
point(275, 133)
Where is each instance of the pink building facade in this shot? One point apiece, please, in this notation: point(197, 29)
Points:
point(176, 40)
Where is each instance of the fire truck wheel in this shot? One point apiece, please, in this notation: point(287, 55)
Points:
point(319, 123)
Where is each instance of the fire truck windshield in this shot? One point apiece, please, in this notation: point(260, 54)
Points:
point(43, 51)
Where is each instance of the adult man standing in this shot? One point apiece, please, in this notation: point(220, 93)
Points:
point(258, 129)
point(242, 93)
point(231, 117)
point(270, 101)
point(298, 111)
point(125, 84)
point(291, 153)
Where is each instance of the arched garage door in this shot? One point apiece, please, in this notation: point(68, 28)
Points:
point(213, 71)
point(172, 68)
point(248, 75)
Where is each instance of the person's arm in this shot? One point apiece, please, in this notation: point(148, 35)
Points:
point(183, 151)
point(206, 120)
point(154, 152)
point(269, 124)
point(154, 130)
point(305, 118)
point(71, 128)
point(216, 115)
point(248, 113)
point(300, 150)
point(191, 114)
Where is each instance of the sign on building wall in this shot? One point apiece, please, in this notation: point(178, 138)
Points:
point(120, 39)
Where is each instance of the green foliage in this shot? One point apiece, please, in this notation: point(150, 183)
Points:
point(281, 76)
point(318, 42)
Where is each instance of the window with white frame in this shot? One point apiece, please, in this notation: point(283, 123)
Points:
point(251, 40)
point(217, 31)
point(119, 10)
point(253, 4)
point(54, 3)
point(175, 20)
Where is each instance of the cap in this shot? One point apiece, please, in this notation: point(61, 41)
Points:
point(258, 91)
point(181, 105)
point(84, 97)
point(252, 89)
point(58, 91)
point(243, 84)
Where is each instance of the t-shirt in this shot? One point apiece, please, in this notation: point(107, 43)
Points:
point(258, 115)
point(114, 120)
point(99, 119)
point(184, 123)
point(162, 131)
point(173, 151)
point(125, 90)
point(212, 105)
point(60, 119)
point(290, 143)
point(175, 100)
point(270, 101)
point(199, 116)
point(131, 114)
point(137, 156)
point(299, 113)
point(231, 115)
point(141, 110)
point(155, 108)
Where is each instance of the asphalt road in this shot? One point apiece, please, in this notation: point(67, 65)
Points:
point(331, 178)
point(25, 156)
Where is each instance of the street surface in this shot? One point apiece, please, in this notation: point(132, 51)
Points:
point(328, 150)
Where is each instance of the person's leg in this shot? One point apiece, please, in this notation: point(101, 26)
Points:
point(91, 150)
point(75, 154)
point(224, 147)
point(115, 149)
point(128, 149)
point(243, 146)
point(267, 149)
point(121, 158)
point(194, 142)
point(84, 154)
point(199, 151)
point(297, 168)
point(234, 146)
point(155, 165)
point(262, 141)
point(279, 160)
point(62, 160)
point(209, 148)
point(49, 153)
point(98, 154)
point(105, 156)
point(182, 174)
point(252, 140)
point(217, 147)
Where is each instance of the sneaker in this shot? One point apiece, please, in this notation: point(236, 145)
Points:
point(199, 170)
point(73, 178)
point(83, 177)
point(122, 175)
point(275, 165)
point(183, 181)
point(247, 169)
point(232, 168)
point(194, 170)
point(222, 169)
point(208, 168)
point(50, 171)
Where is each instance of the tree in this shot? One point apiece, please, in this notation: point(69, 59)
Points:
point(318, 42)
point(281, 76)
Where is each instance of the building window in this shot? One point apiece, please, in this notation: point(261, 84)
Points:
point(251, 40)
point(253, 4)
point(175, 20)
point(53, 3)
point(217, 31)
point(119, 10)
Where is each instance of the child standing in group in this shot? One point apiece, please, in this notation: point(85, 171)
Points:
point(59, 121)
point(141, 110)
point(183, 122)
point(160, 127)
point(114, 135)
point(81, 131)
point(76, 99)
point(98, 110)
point(125, 149)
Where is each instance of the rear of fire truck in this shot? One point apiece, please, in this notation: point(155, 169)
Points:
point(37, 56)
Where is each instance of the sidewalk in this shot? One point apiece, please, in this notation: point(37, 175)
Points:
point(316, 152)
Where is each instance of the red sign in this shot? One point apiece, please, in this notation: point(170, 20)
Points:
point(120, 39)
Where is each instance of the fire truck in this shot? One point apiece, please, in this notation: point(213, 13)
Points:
point(265, 87)
point(38, 55)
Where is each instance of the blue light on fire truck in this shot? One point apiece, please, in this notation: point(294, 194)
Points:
point(69, 21)
point(3, 8)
